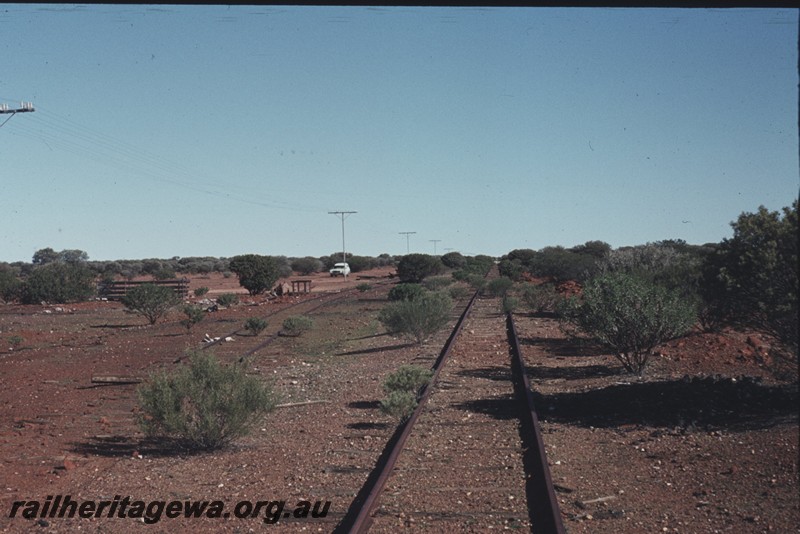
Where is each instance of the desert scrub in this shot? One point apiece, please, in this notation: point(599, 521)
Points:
point(255, 325)
point(499, 286)
point(509, 304)
point(297, 325)
point(419, 318)
point(194, 314)
point(15, 341)
point(150, 301)
point(541, 298)
point(630, 316)
point(406, 291)
point(363, 287)
point(227, 300)
point(435, 283)
point(200, 291)
point(205, 405)
point(402, 390)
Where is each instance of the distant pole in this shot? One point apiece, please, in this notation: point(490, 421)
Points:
point(434, 241)
point(26, 107)
point(408, 249)
point(343, 215)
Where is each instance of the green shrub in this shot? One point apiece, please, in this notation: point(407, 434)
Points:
point(402, 390)
point(399, 404)
point(476, 281)
point(206, 404)
point(509, 304)
point(10, 285)
point(454, 260)
point(363, 287)
point(256, 325)
point(256, 273)
point(227, 274)
point(416, 267)
point(226, 300)
point(307, 265)
point(200, 291)
point(752, 279)
point(458, 292)
point(406, 291)
point(436, 283)
point(419, 318)
point(541, 298)
point(194, 314)
point(164, 273)
point(150, 301)
point(499, 286)
point(58, 282)
point(297, 325)
point(630, 316)
point(15, 341)
point(407, 378)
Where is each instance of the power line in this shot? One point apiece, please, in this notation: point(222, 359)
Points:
point(25, 107)
point(343, 215)
point(434, 241)
point(408, 250)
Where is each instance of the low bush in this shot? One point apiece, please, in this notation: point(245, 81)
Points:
point(406, 291)
point(417, 267)
point(297, 325)
point(256, 325)
point(205, 405)
point(200, 291)
point(509, 304)
point(58, 282)
point(402, 390)
point(436, 283)
point(541, 298)
point(194, 314)
point(363, 287)
point(418, 318)
point(499, 286)
point(226, 300)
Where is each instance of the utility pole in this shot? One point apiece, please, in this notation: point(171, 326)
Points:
point(343, 215)
point(408, 250)
point(434, 241)
point(25, 107)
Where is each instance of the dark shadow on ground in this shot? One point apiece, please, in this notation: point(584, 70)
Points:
point(368, 426)
point(505, 407)
point(706, 402)
point(376, 349)
point(499, 373)
point(540, 372)
point(125, 447)
point(365, 405)
point(564, 347)
point(116, 326)
point(371, 336)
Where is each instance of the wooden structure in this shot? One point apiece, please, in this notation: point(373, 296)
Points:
point(297, 284)
point(117, 289)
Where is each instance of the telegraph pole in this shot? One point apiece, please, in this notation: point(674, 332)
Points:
point(408, 250)
point(434, 241)
point(343, 215)
point(25, 107)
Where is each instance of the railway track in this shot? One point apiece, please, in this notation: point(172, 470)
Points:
point(471, 457)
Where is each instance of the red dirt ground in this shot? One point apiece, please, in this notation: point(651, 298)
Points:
point(714, 455)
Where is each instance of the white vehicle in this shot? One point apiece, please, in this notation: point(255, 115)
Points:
point(340, 269)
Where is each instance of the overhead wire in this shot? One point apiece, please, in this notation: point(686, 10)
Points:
point(57, 131)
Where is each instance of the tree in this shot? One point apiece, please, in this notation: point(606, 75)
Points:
point(418, 318)
point(45, 256)
point(73, 256)
point(150, 301)
point(753, 276)
point(58, 283)
point(194, 314)
point(256, 273)
point(415, 267)
point(307, 265)
point(454, 260)
point(630, 316)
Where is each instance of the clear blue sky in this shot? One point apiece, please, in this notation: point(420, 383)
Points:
point(165, 131)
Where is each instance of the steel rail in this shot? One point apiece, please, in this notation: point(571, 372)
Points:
point(542, 502)
point(359, 516)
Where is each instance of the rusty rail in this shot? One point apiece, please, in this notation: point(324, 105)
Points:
point(542, 502)
point(359, 516)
